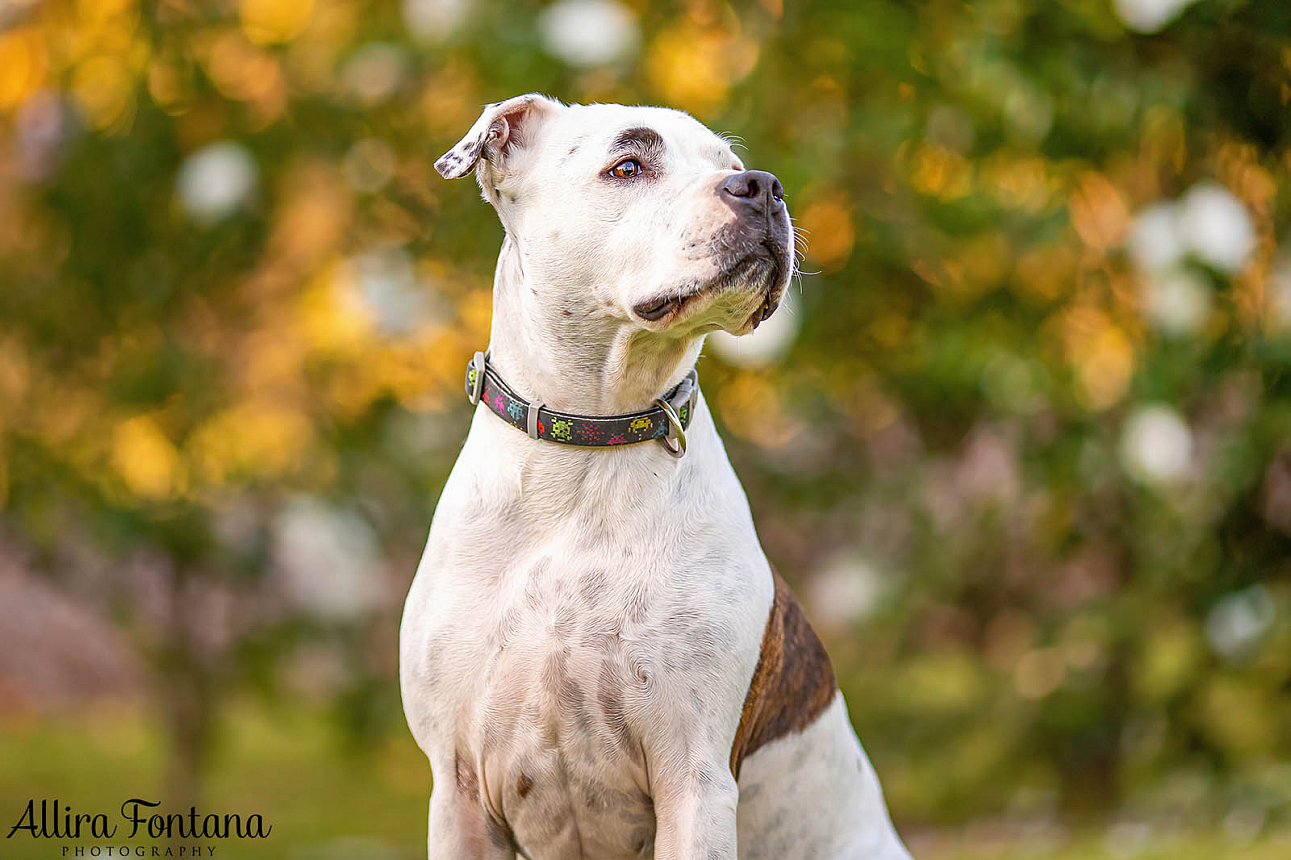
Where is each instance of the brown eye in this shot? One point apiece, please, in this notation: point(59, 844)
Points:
point(627, 168)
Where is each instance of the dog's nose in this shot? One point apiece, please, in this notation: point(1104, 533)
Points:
point(755, 190)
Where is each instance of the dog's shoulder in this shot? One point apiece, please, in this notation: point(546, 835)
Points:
point(792, 683)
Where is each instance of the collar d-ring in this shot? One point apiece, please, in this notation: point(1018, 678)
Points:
point(676, 432)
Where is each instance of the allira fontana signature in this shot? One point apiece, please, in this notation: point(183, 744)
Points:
point(138, 818)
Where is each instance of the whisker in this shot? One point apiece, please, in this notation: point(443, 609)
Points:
point(732, 140)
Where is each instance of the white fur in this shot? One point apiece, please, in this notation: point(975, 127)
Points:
point(584, 624)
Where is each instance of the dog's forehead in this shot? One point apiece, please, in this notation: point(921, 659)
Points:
point(591, 129)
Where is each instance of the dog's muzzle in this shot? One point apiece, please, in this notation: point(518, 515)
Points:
point(753, 248)
point(757, 199)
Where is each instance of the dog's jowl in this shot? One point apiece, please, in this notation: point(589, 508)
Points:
point(596, 656)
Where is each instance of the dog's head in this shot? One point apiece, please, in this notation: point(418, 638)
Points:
point(639, 214)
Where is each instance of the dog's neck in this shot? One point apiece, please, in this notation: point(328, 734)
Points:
point(575, 358)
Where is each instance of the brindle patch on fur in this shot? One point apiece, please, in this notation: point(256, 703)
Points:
point(477, 824)
point(793, 681)
point(609, 694)
point(467, 782)
point(591, 585)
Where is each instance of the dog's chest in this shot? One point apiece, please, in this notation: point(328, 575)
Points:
point(545, 688)
point(559, 640)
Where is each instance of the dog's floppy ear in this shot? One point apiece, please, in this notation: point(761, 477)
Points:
point(501, 130)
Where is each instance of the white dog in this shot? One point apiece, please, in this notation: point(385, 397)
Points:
point(596, 656)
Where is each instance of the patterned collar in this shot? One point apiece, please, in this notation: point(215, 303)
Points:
point(665, 423)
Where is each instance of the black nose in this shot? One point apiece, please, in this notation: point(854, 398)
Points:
point(754, 190)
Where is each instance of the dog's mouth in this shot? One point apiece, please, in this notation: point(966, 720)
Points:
point(657, 310)
point(743, 271)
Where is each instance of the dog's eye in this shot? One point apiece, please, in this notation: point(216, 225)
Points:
point(627, 168)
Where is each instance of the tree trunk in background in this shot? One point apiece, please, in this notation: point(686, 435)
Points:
point(1092, 766)
point(187, 698)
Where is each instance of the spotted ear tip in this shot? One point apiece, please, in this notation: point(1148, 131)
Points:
point(449, 165)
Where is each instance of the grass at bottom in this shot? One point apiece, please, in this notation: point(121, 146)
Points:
point(322, 797)
point(1028, 841)
point(326, 799)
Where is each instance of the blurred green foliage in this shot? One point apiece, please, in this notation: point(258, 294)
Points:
point(1027, 458)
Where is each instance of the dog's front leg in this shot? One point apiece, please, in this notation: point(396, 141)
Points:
point(695, 814)
point(460, 826)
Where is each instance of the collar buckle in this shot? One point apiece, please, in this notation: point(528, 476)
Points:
point(476, 377)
